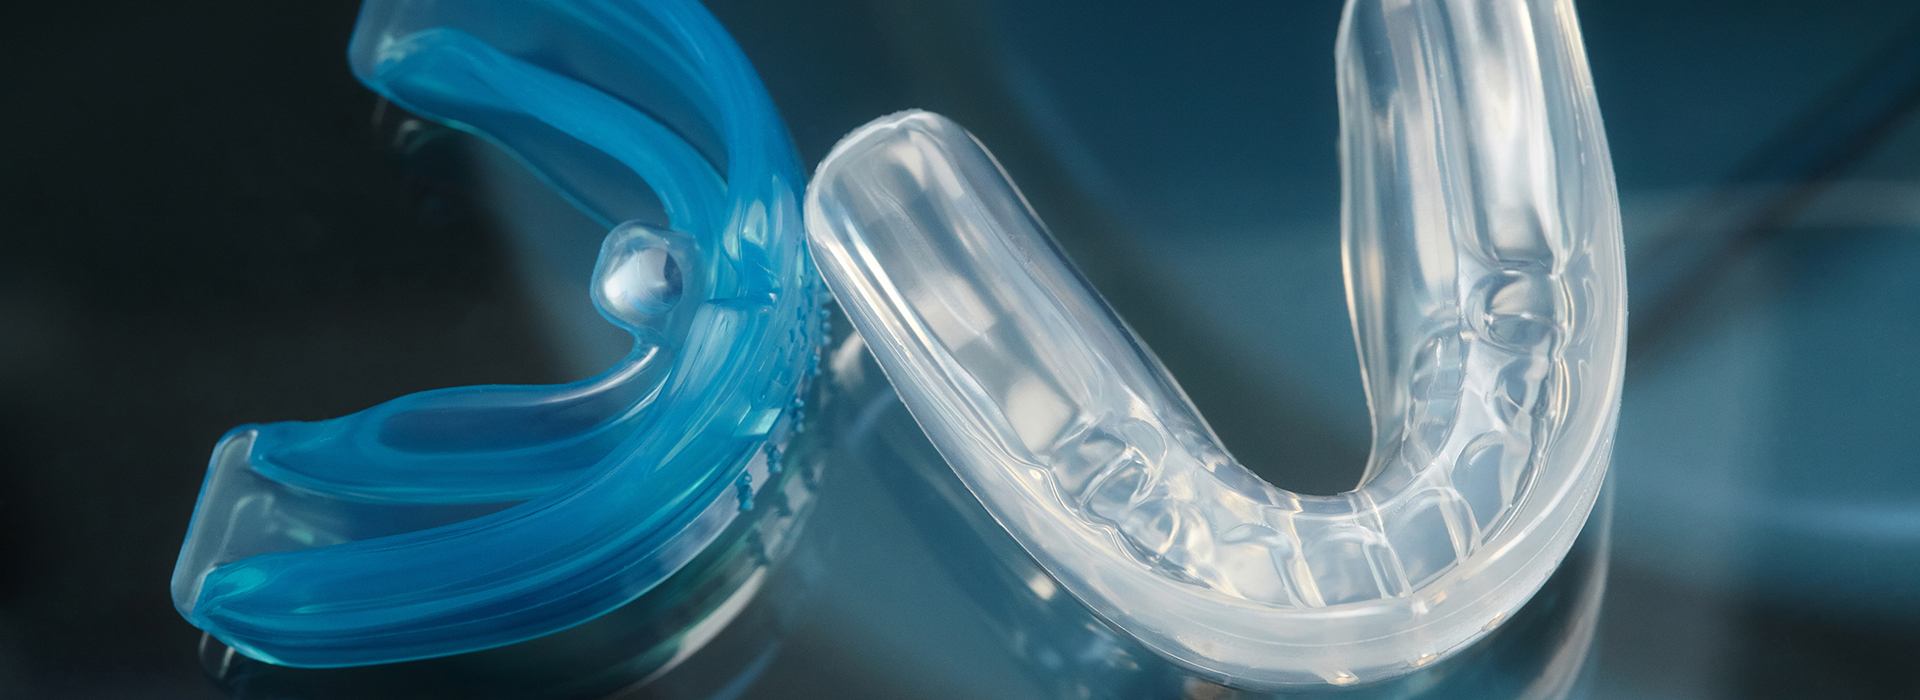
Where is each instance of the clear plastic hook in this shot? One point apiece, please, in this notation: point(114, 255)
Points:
point(1485, 279)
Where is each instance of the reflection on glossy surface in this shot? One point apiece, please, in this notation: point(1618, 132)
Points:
point(233, 215)
point(1538, 654)
point(741, 585)
point(901, 586)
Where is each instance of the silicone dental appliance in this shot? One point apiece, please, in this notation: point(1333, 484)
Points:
point(1484, 276)
point(469, 518)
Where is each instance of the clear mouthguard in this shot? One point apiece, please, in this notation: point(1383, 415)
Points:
point(468, 518)
point(1485, 279)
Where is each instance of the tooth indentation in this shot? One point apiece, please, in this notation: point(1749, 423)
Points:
point(1485, 279)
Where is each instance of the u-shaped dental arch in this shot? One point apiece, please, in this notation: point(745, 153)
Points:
point(468, 518)
point(1485, 279)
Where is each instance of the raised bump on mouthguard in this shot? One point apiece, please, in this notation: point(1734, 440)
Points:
point(468, 518)
point(1484, 273)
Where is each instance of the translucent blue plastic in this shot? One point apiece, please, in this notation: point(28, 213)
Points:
point(469, 518)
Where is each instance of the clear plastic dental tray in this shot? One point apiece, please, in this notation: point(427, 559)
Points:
point(1486, 285)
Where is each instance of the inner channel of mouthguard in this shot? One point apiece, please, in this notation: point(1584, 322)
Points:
point(1484, 271)
point(468, 518)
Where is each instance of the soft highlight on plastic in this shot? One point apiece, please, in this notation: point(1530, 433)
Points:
point(468, 518)
point(1485, 280)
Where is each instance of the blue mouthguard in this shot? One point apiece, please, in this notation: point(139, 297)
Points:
point(467, 518)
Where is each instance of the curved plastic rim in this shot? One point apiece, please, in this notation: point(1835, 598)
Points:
point(1486, 283)
point(469, 518)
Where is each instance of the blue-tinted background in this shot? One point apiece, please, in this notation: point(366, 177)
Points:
point(202, 223)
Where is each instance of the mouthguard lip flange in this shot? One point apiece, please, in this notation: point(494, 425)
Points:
point(470, 518)
point(1485, 277)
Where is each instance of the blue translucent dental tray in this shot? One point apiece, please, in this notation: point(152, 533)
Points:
point(467, 518)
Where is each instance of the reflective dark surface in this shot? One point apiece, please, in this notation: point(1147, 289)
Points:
point(199, 228)
point(903, 586)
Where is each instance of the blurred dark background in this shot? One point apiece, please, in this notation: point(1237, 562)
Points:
point(203, 224)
